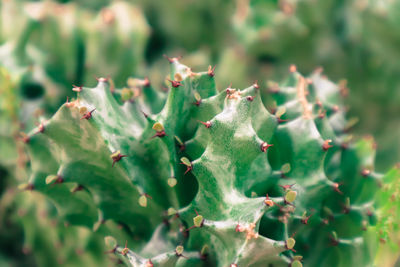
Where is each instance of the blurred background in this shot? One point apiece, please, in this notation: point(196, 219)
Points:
point(48, 46)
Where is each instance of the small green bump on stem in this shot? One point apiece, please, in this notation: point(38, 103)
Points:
point(143, 201)
point(171, 211)
point(110, 242)
point(158, 127)
point(198, 98)
point(172, 181)
point(25, 186)
point(285, 168)
point(117, 156)
point(204, 250)
point(179, 251)
point(56, 179)
point(76, 188)
point(186, 161)
point(290, 242)
point(198, 221)
point(296, 263)
point(126, 94)
point(180, 143)
point(97, 225)
point(179, 140)
point(280, 111)
point(188, 164)
point(290, 196)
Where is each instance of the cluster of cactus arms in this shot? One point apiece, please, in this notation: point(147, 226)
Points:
point(341, 36)
point(207, 177)
point(36, 74)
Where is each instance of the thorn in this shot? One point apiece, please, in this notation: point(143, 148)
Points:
point(280, 120)
point(369, 213)
point(211, 71)
point(125, 250)
point(59, 180)
point(149, 263)
point(76, 88)
point(145, 114)
point(286, 187)
point(40, 128)
point(305, 219)
point(365, 172)
point(292, 68)
point(256, 85)
point(335, 187)
point(326, 144)
point(321, 113)
point(188, 168)
point(88, 115)
point(264, 146)
point(174, 83)
point(101, 79)
point(207, 124)
point(77, 188)
point(24, 137)
point(268, 201)
point(334, 241)
point(146, 82)
point(173, 59)
point(147, 195)
point(250, 98)
point(117, 156)
point(229, 89)
point(239, 228)
point(28, 187)
point(159, 134)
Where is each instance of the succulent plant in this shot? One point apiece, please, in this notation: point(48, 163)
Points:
point(352, 39)
point(208, 177)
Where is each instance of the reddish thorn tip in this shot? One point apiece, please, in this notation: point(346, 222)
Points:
point(88, 115)
point(146, 82)
point(211, 71)
point(174, 83)
point(326, 145)
point(256, 85)
point(172, 59)
point(335, 187)
point(159, 134)
point(365, 172)
point(264, 146)
point(207, 124)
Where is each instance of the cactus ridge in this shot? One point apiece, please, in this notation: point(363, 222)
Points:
point(211, 178)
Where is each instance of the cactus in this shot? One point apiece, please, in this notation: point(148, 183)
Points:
point(342, 36)
point(210, 178)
